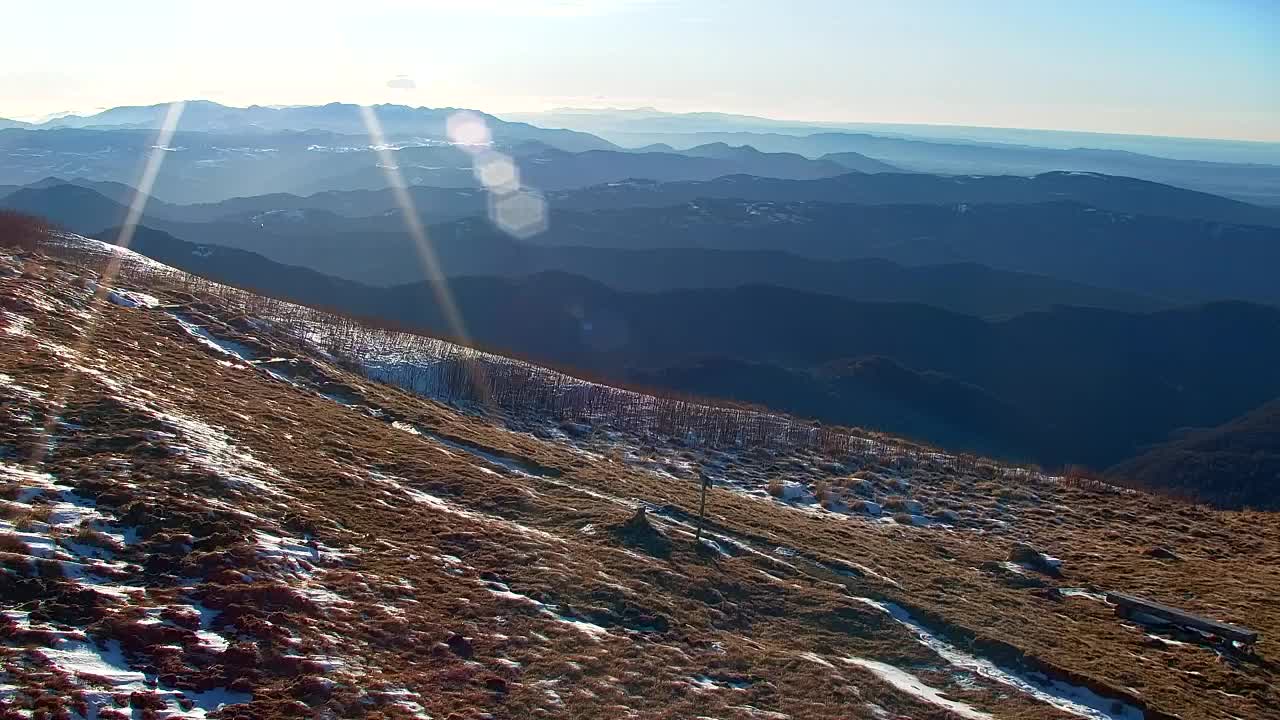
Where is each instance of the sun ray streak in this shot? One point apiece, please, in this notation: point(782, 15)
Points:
point(426, 251)
point(413, 224)
point(142, 193)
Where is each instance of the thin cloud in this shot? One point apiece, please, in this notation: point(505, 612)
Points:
point(402, 82)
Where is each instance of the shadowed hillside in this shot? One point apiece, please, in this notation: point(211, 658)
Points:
point(1235, 464)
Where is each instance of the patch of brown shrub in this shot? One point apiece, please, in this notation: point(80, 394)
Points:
point(22, 231)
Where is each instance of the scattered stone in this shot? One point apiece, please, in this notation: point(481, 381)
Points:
point(1162, 553)
point(312, 689)
point(866, 506)
point(863, 487)
point(460, 646)
point(1027, 556)
point(1010, 575)
point(947, 516)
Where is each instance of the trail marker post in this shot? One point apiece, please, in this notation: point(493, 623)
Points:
point(702, 506)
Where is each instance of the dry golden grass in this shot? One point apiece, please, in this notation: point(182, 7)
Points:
point(420, 576)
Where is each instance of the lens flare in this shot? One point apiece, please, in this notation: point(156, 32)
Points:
point(521, 214)
point(413, 224)
point(516, 210)
point(469, 131)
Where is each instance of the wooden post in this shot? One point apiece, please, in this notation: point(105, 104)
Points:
point(702, 506)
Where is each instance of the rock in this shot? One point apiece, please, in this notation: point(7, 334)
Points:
point(863, 487)
point(870, 508)
point(1162, 553)
point(947, 516)
point(460, 646)
point(795, 492)
point(1049, 593)
point(312, 689)
point(1027, 556)
point(1011, 577)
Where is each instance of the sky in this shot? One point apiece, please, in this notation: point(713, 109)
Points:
point(1204, 68)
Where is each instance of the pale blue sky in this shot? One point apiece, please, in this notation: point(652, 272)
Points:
point(1170, 67)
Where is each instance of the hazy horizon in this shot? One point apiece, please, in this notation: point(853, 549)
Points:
point(1174, 69)
point(604, 108)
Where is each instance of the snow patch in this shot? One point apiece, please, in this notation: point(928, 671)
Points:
point(910, 684)
point(1074, 699)
point(132, 299)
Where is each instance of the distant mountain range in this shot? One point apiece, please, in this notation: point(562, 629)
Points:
point(1106, 192)
point(376, 251)
point(1065, 385)
point(1251, 182)
point(335, 118)
point(1075, 254)
point(749, 157)
point(1048, 303)
point(221, 152)
point(209, 167)
point(623, 123)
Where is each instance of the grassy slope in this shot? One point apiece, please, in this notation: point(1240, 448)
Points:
point(416, 574)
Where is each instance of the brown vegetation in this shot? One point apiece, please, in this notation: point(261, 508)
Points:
point(445, 566)
point(21, 231)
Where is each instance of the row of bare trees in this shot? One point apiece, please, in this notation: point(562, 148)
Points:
point(465, 376)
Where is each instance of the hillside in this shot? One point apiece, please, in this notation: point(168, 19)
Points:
point(1158, 257)
point(230, 522)
point(376, 251)
point(1235, 464)
point(1187, 260)
point(437, 204)
point(1118, 380)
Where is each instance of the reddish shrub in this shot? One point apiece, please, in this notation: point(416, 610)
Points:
point(22, 231)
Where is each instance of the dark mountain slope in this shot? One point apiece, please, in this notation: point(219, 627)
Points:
point(754, 162)
point(245, 269)
point(376, 251)
point(1091, 385)
point(1087, 386)
point(1187, 260)
point(872, 391)
point(389, 257)
point(1106, 192)
point(1235, 464)
point(76, 208)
